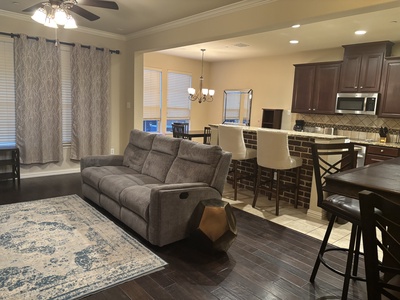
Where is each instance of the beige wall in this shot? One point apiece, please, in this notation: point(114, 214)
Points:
point(270, 78)
point(118, 70)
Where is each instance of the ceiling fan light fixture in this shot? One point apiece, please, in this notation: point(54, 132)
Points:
point(50, 22)
point(60, 16)
point(70, 23)
point(40, 15)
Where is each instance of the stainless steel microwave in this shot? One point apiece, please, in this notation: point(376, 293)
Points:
point(357, 103)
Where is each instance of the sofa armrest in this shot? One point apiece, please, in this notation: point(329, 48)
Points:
point(171, 208)
point(101, 160)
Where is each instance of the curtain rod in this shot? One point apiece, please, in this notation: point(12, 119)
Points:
point(54, 41)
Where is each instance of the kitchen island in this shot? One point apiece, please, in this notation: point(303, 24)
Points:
point(299, 145)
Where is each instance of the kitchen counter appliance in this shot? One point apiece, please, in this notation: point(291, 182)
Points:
point(356, 103)
point(299, 125)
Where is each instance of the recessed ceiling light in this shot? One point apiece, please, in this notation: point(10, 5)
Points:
point(296, 26)
point(360, 32)
point(294, 42)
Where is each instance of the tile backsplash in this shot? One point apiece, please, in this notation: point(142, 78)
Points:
point(354, 126)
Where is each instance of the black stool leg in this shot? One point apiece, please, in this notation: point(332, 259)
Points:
point(357, 251)
point(257, 187)
point(278, 187)
point(296, 191)
point(322, 248)
point(349, 262)
point(235, 178)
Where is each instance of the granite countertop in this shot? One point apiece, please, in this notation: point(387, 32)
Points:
point(295, 133)
point(376, 143)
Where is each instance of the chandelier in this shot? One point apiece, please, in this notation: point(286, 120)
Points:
point(203, 95)
point(52, 15)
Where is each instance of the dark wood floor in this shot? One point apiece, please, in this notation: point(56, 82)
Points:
point(266, 261)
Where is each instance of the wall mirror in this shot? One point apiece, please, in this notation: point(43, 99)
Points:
point(237, 106)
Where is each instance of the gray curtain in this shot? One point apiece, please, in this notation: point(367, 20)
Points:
point(90, 72)
point(38, 100)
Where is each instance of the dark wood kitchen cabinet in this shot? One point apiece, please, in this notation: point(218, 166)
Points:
point(315, 87)
point(362, 66)
point(380, 153)
point(390, 96)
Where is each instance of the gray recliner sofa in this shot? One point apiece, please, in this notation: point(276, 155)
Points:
point(155, 186)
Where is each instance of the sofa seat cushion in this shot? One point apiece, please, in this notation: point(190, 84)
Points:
point(93, 175)
point(137, 199)
point(114, 185)
point(195, 163)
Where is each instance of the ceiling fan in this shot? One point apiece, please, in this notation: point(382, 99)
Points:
point(74, 6)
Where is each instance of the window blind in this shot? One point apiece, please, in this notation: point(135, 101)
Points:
point(178, 104)
point(66, 93)
point(233, 107)
point(7, 92)
point(152, 95)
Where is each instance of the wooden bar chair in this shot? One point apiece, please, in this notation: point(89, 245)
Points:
point(330, 159)
point(381, 215)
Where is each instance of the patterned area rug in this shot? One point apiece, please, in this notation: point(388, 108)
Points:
point(62, 248)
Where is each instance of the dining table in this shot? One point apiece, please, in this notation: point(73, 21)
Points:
point(382, 178)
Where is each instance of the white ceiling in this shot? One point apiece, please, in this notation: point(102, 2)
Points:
point(138, 15)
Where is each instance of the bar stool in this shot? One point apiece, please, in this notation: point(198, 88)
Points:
point(231, 140)
point(330, 159)
point(273, 153)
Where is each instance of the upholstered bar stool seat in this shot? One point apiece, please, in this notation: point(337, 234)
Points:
point(231, 140)
point(273, 154)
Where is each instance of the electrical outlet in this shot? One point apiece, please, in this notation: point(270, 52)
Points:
point(112, 151)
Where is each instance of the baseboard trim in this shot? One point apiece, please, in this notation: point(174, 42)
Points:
point(50, 173)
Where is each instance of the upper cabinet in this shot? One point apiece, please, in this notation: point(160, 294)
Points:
point(362, 66)
point(315, 87)
point(390, 96)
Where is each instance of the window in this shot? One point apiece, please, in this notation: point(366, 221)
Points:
point(178, 103)
point(7, 93)
point(152, 100)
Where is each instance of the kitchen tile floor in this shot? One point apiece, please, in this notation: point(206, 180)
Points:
point(289, 216)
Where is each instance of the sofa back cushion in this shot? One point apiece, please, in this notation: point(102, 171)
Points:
point(195, 163)
point(138, 149)
point(161, 156)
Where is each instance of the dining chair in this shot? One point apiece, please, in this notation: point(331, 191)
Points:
point(381, 215)
point(214, 139)
point(207, 135)
point(231, 140)
point(178, 130)
point(273, 154)
point(330, 159)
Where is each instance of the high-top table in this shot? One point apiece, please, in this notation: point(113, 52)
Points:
point(382, 178)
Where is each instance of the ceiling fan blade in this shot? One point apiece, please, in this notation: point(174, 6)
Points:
point(98, 3)
point(84, 13)
point(33, 8)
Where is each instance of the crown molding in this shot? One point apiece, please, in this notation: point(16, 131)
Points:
point(80, 29)
point(228, 9)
